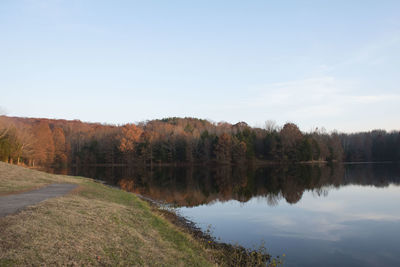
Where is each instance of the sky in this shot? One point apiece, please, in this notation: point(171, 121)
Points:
point(331, 64)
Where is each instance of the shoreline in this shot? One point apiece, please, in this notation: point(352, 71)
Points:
point(228, 254)
point(233, 255)
point(93, 225)
point(97, 217)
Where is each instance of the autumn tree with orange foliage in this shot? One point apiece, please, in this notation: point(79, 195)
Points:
point(44, 150)
point(60, 147)
point(223, 148)
point(128, 139)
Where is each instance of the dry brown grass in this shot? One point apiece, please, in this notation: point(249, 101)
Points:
point(15, 179)
point(94, 225)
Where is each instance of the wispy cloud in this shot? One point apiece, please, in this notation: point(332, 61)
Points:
point(314, 99)
point(319, 96)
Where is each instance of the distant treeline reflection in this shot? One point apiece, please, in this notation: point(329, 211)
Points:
point(192, 186)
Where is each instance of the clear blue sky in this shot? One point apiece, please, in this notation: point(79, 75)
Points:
point(316, 63)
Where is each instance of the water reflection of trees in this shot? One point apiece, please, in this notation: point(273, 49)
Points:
point(192, 186)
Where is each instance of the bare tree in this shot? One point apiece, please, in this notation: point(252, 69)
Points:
point(271, 126)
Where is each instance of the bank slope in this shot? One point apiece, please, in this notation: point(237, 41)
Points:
point(93, 225)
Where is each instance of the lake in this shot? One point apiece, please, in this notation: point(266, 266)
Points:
point(340, 215)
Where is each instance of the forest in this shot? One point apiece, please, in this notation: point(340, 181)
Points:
point(62, 143)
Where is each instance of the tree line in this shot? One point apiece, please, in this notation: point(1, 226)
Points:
point(44, 142)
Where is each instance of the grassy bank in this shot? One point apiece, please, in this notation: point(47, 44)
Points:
point(93, 225)
point(99, 225)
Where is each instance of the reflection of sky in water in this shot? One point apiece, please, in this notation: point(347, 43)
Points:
point(351, 226)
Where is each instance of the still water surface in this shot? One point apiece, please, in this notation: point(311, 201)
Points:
point(343, 215)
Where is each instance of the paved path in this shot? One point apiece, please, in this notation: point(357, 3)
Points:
point(13, 203)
